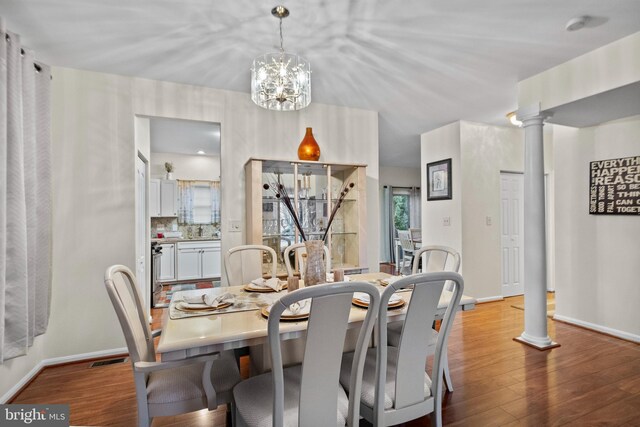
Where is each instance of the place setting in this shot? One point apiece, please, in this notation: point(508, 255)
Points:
point(266, 285)
point(361, 299)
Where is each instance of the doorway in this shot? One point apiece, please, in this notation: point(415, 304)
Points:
point(511, 233)
point(142, 216)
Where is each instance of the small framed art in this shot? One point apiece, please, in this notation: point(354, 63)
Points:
point(439, 180)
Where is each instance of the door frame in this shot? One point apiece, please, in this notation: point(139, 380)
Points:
point(144, 282)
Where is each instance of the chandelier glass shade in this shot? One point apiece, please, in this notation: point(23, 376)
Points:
point(281, 81)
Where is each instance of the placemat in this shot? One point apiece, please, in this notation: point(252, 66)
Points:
point(244, 301)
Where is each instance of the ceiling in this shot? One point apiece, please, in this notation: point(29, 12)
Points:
point(420, 63)
point(184, 137)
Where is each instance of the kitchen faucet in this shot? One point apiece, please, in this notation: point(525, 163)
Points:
point(199, 231)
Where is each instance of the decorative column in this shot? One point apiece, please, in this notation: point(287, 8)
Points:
point(535, 268)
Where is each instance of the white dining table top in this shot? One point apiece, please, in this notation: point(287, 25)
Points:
point(192, 336)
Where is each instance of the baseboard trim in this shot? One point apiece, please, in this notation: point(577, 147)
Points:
point(598, 328)
point(489, 299)
point(54, 361)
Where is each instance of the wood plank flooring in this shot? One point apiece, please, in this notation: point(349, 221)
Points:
point(592, 379)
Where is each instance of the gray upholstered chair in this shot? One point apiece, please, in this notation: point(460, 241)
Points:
point(395, 387)
point(244, 263)
point(310, 394)
point(300, 249)
point(432, 259)
point(166, 388)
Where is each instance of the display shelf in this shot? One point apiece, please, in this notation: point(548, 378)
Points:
point(313, 188)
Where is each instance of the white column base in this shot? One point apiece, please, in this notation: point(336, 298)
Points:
point(537, 343)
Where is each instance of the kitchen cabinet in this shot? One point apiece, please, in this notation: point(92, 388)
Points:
point(168, 263)
point(314, 188)
point(154, 198)
point(163, 198)
point(198, 260)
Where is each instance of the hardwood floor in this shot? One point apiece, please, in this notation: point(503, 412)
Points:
point(592, 379)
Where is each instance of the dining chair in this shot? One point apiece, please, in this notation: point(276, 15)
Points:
point(416, 237)
point(408, 249)
point(431, 258)
point(310, 394)
point(166, 388)
point(395, 387)
point(244, 263)
point(299, 249)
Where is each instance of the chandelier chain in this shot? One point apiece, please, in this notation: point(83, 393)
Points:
point(281, 42)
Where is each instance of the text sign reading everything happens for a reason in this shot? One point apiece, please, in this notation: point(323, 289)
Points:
point(615, 186)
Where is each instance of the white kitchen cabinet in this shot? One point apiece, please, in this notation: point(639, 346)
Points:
point(163, 198)
point(154, 197)
point(199, 260)
point(211, 265)
point(168, 198)
point(168, 262)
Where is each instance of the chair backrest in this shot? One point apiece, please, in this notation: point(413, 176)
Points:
point(244, 263)
point(300, 249)
point(436, 258)
point(414, 340)
point(125, 296)
point(405, 241)
point(416, 235)
point(326, 331)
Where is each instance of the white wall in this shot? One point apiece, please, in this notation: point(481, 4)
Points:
point(486, 151)
point(93, 184)
point(440, 144)
point(400, 177)
point(480, 152)
point(597, 256)
point(614, 65)
point(187, 167)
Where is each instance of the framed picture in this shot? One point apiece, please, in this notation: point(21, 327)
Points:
point(439, 180)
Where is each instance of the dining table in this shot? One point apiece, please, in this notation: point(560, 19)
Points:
point(190, 336)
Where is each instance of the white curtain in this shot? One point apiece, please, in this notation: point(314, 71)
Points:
point(25, 196)
point(387, 228)
point(185, 208)
point(215, 202)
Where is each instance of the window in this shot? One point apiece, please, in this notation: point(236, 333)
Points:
point(199, 202)
point(401, 211)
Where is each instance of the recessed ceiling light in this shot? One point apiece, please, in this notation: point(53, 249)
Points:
point(200, 152)
point(576, 23)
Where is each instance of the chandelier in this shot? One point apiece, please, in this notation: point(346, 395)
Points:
point(281, 81)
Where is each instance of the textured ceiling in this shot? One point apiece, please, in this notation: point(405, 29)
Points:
point(419, 63)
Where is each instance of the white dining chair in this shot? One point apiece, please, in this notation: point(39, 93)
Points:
point(395, 387)
point(244, 263)
point(408, 249)
point(310, 395)
point(166, 388)
point(299, 249)
point(431, 258)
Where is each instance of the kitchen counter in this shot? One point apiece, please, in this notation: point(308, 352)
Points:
point(176, 240)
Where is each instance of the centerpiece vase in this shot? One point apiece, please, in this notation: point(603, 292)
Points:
point(314, 270)
point(309, 148)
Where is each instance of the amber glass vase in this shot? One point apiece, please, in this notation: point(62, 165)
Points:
point(309, 148)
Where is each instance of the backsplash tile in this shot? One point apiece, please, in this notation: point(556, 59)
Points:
point(188, 231)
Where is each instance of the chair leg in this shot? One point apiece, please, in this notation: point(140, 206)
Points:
point(447, 374)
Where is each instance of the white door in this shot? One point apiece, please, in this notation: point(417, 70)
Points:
point(141, 230)
point(512, 218)
point(189, 261)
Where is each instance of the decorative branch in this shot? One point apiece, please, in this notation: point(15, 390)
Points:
point(343, 193)
point(281, 193)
